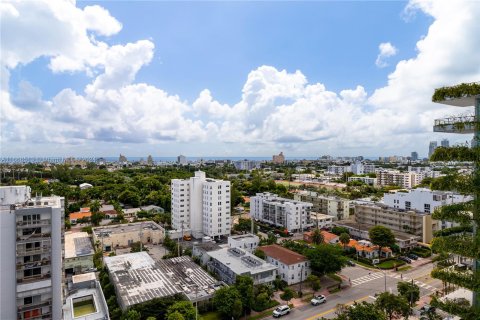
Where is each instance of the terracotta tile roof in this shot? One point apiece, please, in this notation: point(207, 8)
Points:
point(328, 236)
point(282, 254)
point(79, 215)
point(360, 247)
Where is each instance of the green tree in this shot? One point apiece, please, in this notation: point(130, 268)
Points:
point(326, 259)
point(317, 236)
point(224, 300)
point(361, 311)
point(131, 315)
point(409, 291)
point(382, 237)
point(344, 239)
point(262, 301)
point(279, 284)
point(314, 282)
point(339, 230)
point(393, 305)
point(175, 316)
point(244, 285)
point(151, 318)
point(287, 295)
point(184, 308)
point(95, 206)
point(259, 253)
point(237, 309)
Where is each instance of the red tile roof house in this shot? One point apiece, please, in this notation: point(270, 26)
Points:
point(328, 237)
point(367, 250)
point(292, 267)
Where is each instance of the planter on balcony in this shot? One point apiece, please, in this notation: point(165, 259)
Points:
point(463, 90)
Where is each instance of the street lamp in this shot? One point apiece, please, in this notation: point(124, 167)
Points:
point(385, 273)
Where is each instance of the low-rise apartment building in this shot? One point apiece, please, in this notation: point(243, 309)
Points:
point(336, 207)
point(328, 237)
point(397, 178)
point(291, 214)
point(124, 235)
point(367, 180)
point(248, 242)
point(228, 263)
point(78, 252)
point(321, 221)
point(292, 267)
point(338, 170)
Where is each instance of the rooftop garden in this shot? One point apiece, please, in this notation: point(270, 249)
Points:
point(458, 91)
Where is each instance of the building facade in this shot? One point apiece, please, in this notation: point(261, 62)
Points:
point(397, 178)
point(248, 242)
point(333, 206)
point(366, 180)
point(278, 159)
point(201, 205)
point(292, 267)
point(338, 170)
point(78, 252)
point(320, 220)
point(246, 165)
point(32, 235)
point(293, 215)
point(431, 147)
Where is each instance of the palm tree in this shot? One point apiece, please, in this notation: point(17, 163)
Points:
point(317, 236)
point(344, 239)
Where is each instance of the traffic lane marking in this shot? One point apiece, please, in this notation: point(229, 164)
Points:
point(333, 309)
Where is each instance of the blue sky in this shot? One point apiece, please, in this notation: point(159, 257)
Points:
point(259, 61)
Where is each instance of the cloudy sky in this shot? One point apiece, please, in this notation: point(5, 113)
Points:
point(230, 78)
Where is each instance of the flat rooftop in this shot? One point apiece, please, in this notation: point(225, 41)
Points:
point(241, 261)
point(122, 228)
point(247, 236)
point(138, 278)
point(78, 244)
point(366, 227)
point(84, 277)
point(208, 246)
point(91, 301)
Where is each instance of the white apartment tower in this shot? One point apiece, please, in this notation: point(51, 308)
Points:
point(201, 205)
point(32, 250)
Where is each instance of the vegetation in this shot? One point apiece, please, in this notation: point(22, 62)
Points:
point(360, 311)
point(409, 291)
point(317, 236)
point(458, 91)
point(392, 305)
point(288, 294)
point(381, 236)
point(314, 282)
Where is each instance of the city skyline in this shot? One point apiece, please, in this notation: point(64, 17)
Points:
point(225, 80)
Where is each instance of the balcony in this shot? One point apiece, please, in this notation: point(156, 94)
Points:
point(459, 124)
point(34, 278)
point(34, 223)
point(28, 252)
point(33, 306)
point(33, 264)
point(31, 237)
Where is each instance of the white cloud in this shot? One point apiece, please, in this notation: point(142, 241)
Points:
point(387, 50)
point(278, 108)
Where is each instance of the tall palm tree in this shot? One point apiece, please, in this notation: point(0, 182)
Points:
point(317, 236)
point(344, 239)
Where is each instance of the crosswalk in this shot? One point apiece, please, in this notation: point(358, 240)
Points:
point(367, 278)
point(418, 283)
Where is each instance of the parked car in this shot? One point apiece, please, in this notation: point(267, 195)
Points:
point(427, 309)
point(351, 263)
point(317, 300)
point(407, 260)
point(281, 311)
point(412, 256)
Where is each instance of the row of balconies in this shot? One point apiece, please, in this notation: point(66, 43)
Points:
point(23, 251)
point(36, 236)
point(33, 278)
point(34, 305)
point(36, 223)
point(33, 264)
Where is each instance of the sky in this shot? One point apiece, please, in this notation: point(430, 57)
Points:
point(230, 78)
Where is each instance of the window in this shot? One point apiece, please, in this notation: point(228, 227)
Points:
point(426, 208)
point(408, 205)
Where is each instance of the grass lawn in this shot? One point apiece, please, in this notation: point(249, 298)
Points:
point(212, 315)
point(390, 264)
point(335, 277)
point(405, 268)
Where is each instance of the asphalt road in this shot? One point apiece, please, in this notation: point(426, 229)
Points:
point(365, 284)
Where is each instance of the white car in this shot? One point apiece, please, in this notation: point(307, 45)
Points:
point(317, 300)
point(281, 311)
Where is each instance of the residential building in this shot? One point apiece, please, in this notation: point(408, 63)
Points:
point(333, 206)
point(419, 169)
point(78, 252)
point(362, 168)
point(292, 267)
point(85, 290)
point(84, 213)
point(431, 147)
point(109, 211)
point(366, 249)
point(182, 160)
point(399, 220)
point(278, 159)
point(397, 178)
point(201, 205)
point(246, 165)
point(228, 263)
point(328, 237)
point(292, 215)
point(320, 220)
point(31, 264)
point(200, 250)
point(360, 231)
point(124, 235)
point(366, 180)
point(338, 170)
point(248, 242)
point(414, 156)
point(138, 278)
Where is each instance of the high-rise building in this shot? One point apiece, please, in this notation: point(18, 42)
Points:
point(32, 251)
point(202, 205)
point(414, 156)
point(445, 143)
point(278, 159)
point(182, 160)
point(432, 147)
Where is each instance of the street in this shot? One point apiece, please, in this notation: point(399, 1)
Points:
point(365, 284)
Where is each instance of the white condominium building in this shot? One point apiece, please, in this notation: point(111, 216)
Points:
point(291, 214)
point(338, 208)
point(361, 168)
point(338, 169)
point(31, 263)
point(202, 205)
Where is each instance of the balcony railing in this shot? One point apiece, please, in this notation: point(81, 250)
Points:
point(44, 222)
point(34, 278)
point(28, 252)
point(460, 124)
point(33, 306)
point(33, 264)
point(35, 236)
